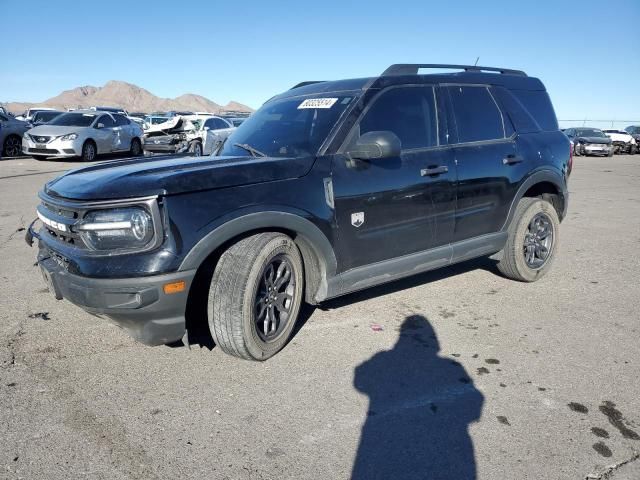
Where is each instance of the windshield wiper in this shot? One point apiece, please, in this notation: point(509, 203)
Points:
point(250, 149)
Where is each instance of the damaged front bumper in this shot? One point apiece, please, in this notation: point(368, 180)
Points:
point(177, 143)
point(140, 305)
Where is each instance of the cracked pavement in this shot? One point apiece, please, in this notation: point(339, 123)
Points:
point(458, 373)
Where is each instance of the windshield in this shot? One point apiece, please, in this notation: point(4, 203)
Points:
point(74, 119)
point(291, 127)
point(590, 132)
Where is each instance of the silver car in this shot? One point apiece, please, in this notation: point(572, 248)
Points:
point(84, 134)
point(11, 131)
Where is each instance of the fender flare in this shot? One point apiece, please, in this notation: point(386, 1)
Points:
point(308, 235)
point(546, 175)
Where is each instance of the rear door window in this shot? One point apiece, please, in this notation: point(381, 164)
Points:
point(107, 121)
point(476, 113)
point(121, 120)
point(409, 112)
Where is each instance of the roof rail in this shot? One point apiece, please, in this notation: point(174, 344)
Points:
point(304, 84)
point(412, 69)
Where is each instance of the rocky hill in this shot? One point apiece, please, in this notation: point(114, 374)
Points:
point(129, 97)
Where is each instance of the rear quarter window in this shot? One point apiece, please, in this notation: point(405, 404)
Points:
point(538, 104)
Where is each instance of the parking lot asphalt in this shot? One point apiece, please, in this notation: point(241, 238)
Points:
point(458, 373)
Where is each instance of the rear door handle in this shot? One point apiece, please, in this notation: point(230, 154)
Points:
point(511, 160)
point(427, 172)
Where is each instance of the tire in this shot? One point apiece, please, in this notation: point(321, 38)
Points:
point(196, 149)
point(239, 297)
point(576, 150)
point(40, 158)
point(88, 151)
point(12, 146)
point(633, 149)
point(515, 263)
point(136, 148)
point(610, 154)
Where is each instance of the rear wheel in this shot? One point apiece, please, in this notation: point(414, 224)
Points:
point(12, 146)
point(88, 151)
point(532, 242)
point(136, 148)
point(255, 296)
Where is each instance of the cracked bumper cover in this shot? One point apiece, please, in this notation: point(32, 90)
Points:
point(137, 304)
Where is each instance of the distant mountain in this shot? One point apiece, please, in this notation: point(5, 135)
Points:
point(130, 97)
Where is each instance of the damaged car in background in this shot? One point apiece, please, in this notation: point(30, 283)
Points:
point(623, 142)
point(589, 141)
point(195, 134)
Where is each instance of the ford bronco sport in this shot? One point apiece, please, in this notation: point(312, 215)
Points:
point(329, 188)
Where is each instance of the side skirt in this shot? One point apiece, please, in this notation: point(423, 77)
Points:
point(407, 265)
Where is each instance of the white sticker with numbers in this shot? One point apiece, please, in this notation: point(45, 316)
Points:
point(318, 103)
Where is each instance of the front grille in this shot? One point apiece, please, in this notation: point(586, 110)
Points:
point(50, 151)
point(56, 212)
point(63, 212)
point(40, 138)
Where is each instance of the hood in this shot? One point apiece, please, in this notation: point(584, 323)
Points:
point(170, 175)
point(53, 130)
point(605, 140)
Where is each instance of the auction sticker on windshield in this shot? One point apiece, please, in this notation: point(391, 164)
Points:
point(318, 103)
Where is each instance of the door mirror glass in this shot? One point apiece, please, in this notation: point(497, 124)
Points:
point(376, 145)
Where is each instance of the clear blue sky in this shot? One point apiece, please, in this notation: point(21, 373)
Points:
point(586, 52)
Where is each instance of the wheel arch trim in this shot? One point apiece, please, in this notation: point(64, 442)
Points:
point(540, 176)
point(308, 236)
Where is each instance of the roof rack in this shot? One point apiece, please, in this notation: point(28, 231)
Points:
point(304, 84)
point(412, 69)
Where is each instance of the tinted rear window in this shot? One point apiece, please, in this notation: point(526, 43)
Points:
point(538, 104)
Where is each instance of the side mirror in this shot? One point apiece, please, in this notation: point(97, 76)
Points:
point(376, 145)
point(100, 125)
point(206, 128)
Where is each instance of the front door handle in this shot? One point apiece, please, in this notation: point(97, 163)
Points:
point(427, 172)
point(511, 159)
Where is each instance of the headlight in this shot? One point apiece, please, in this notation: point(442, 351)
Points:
point(70, 136)
point(128, 228)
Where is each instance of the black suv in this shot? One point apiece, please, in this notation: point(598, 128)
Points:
point(329, 188)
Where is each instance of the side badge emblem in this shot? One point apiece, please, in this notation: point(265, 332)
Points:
point(357, 219)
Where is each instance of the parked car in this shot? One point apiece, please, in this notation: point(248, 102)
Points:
point(634, 131)
point(150, 120)
point(110, 110)
point(28, 115)
point(84, 134)
point(622, 141)
point(328, 188)
point(11, 131)
point(199, 135)
point(44, 116)
point(589, 141)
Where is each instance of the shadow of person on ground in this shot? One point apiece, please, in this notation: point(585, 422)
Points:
point(420, 406)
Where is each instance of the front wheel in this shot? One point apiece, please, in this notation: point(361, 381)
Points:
point(255, 296)
point(532, 242)
point(12, 146)
point(88, 151)
point(196, 149)
point(576, 150)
